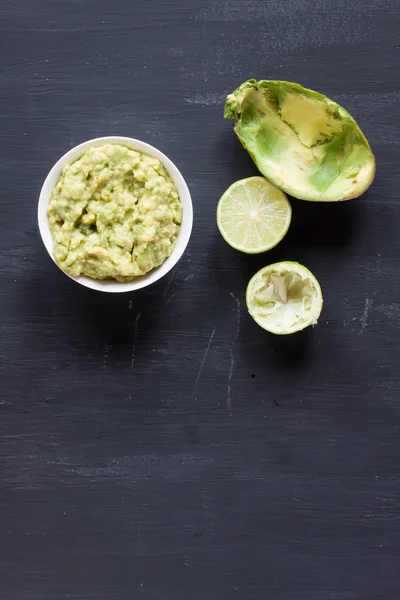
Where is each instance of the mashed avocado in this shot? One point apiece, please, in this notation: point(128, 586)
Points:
point(114, 213)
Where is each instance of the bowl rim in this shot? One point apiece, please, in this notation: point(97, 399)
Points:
point(185, 231)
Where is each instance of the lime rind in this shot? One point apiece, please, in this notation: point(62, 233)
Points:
point(284, 298)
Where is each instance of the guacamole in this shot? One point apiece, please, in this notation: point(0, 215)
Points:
point(115, 213)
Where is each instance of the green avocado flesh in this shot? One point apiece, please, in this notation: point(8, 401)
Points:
point(302, 141)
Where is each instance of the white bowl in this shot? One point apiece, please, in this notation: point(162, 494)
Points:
point(184, 195)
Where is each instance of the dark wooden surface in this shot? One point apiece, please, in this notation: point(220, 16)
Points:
point(160, 445)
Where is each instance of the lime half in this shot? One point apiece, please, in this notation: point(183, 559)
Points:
point(253, 215)
point(284, 298)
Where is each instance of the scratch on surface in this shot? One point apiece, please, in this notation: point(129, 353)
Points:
point(106, 353)
point(130, 305)
point(308, 380)
point(232, 364)
point(237, 317)
point(231, 355)
point(161, 351)
point(139, 527)
point(172, 296)
point(364, 318)
point(392, 311)
point(205, 356)
point(207, 528)
point(203, 504)
point(135, 340)
point(170, 280)
point(190, 277)
point(206, 99)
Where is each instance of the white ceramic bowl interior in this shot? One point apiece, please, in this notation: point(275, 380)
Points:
point(184, 195)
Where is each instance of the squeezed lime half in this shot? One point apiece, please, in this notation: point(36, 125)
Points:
point(253, 215)
point(284, 298)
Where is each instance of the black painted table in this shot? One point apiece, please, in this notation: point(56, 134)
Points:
point(160, 445)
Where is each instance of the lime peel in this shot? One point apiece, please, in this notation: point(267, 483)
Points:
point(284, 298)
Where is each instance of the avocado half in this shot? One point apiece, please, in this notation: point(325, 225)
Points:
point(303, 142)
